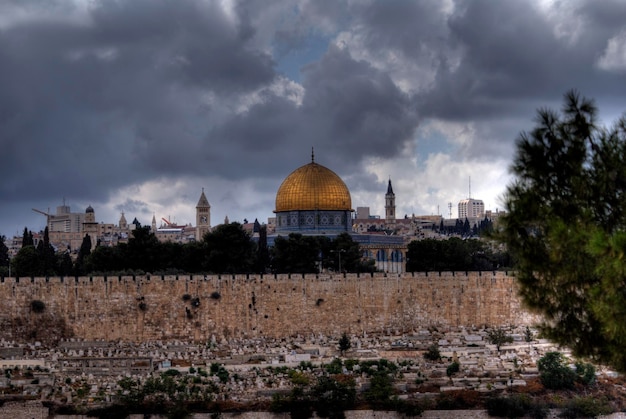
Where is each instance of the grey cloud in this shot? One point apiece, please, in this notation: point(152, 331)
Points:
point(356, 109)
point(143, 89)
point(109, 97)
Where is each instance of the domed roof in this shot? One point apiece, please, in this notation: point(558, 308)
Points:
point(89, 209)
point(313, 187)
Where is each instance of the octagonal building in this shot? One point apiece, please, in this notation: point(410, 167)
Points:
point(313, 200)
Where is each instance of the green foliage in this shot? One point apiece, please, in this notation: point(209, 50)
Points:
point(83, 253)
point(586, 373)
point(4, 256)
point(298, 378)
point(381, 387)
point(219, 371)
point(564, 225)
point(453, 254)
point(554, 372)
point(498, 337)
point(344, 343)
point(370, 368)
point(171, 373)
point(297, 253)
point(305, 365)
point(26, 262)
point(452, 369)
point(432, 354)
point(333, 395)
point(230, 249)
point(528, 335)
point(27, 238)
point(335, 366)
point(587, 407)
point(515, 406)
point(350, 363)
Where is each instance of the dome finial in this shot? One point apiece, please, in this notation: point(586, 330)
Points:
point(312, 155)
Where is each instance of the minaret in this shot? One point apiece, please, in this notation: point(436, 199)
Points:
point(203, 217)
point(390, 204)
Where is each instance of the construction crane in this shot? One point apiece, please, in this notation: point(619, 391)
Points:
point(41, 212)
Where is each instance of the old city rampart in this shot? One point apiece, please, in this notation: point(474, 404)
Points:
point(199, 308)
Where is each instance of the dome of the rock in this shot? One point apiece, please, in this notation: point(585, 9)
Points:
point(313, 187)
point(313, 199)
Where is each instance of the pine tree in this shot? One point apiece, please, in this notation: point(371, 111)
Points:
point(565, 227)
point(4, 256)
point(27, 238)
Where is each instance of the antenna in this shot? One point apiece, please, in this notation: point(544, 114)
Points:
point(449, 209)
point(470, 188)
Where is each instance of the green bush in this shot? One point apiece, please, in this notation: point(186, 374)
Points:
point(335, 366)
point(554, 372)
point(587, 407)
point(515, 406)
point(452, 368)
point(586, 373)
point(432, 354)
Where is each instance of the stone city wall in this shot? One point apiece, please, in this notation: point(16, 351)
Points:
point(199, 308)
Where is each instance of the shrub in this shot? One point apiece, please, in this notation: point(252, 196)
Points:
point(587, 407)
point(458, 400)
point(554, 373)
point(516, 406)
point(37, 306)
point(432, 354)
point(171, 373)
point(586, 373)
point(344, 343)
point(452, 368)
point(498, 337)
point(335, 366)
point(350, 363)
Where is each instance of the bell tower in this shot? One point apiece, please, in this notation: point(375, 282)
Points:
point(203, 217)
point(390, 204)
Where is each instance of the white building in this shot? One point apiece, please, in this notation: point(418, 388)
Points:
point(471, 208)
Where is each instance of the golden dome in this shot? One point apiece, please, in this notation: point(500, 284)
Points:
point(313, 187)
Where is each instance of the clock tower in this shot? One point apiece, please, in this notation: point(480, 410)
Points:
point(203, 217)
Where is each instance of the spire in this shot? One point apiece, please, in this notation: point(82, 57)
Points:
point(312, 155)
point(203, 202)
point(389, 188)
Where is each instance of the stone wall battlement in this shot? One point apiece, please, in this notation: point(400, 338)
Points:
point(198, 307)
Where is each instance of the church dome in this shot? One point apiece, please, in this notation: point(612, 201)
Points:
point(313, 187)
point(89, 210)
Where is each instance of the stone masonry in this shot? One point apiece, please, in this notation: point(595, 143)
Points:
point(201, 308)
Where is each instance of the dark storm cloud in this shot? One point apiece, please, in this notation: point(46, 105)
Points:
point(117, 99)
point(100, 97)
point(509, 53)
point(350, 111)
point(355, 109)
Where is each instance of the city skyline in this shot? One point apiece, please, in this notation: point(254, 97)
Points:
point(136, 106)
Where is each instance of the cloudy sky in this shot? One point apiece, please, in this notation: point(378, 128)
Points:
point(135, 106)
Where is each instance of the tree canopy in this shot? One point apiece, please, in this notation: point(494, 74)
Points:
point(454, 254)
point(565, 227)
